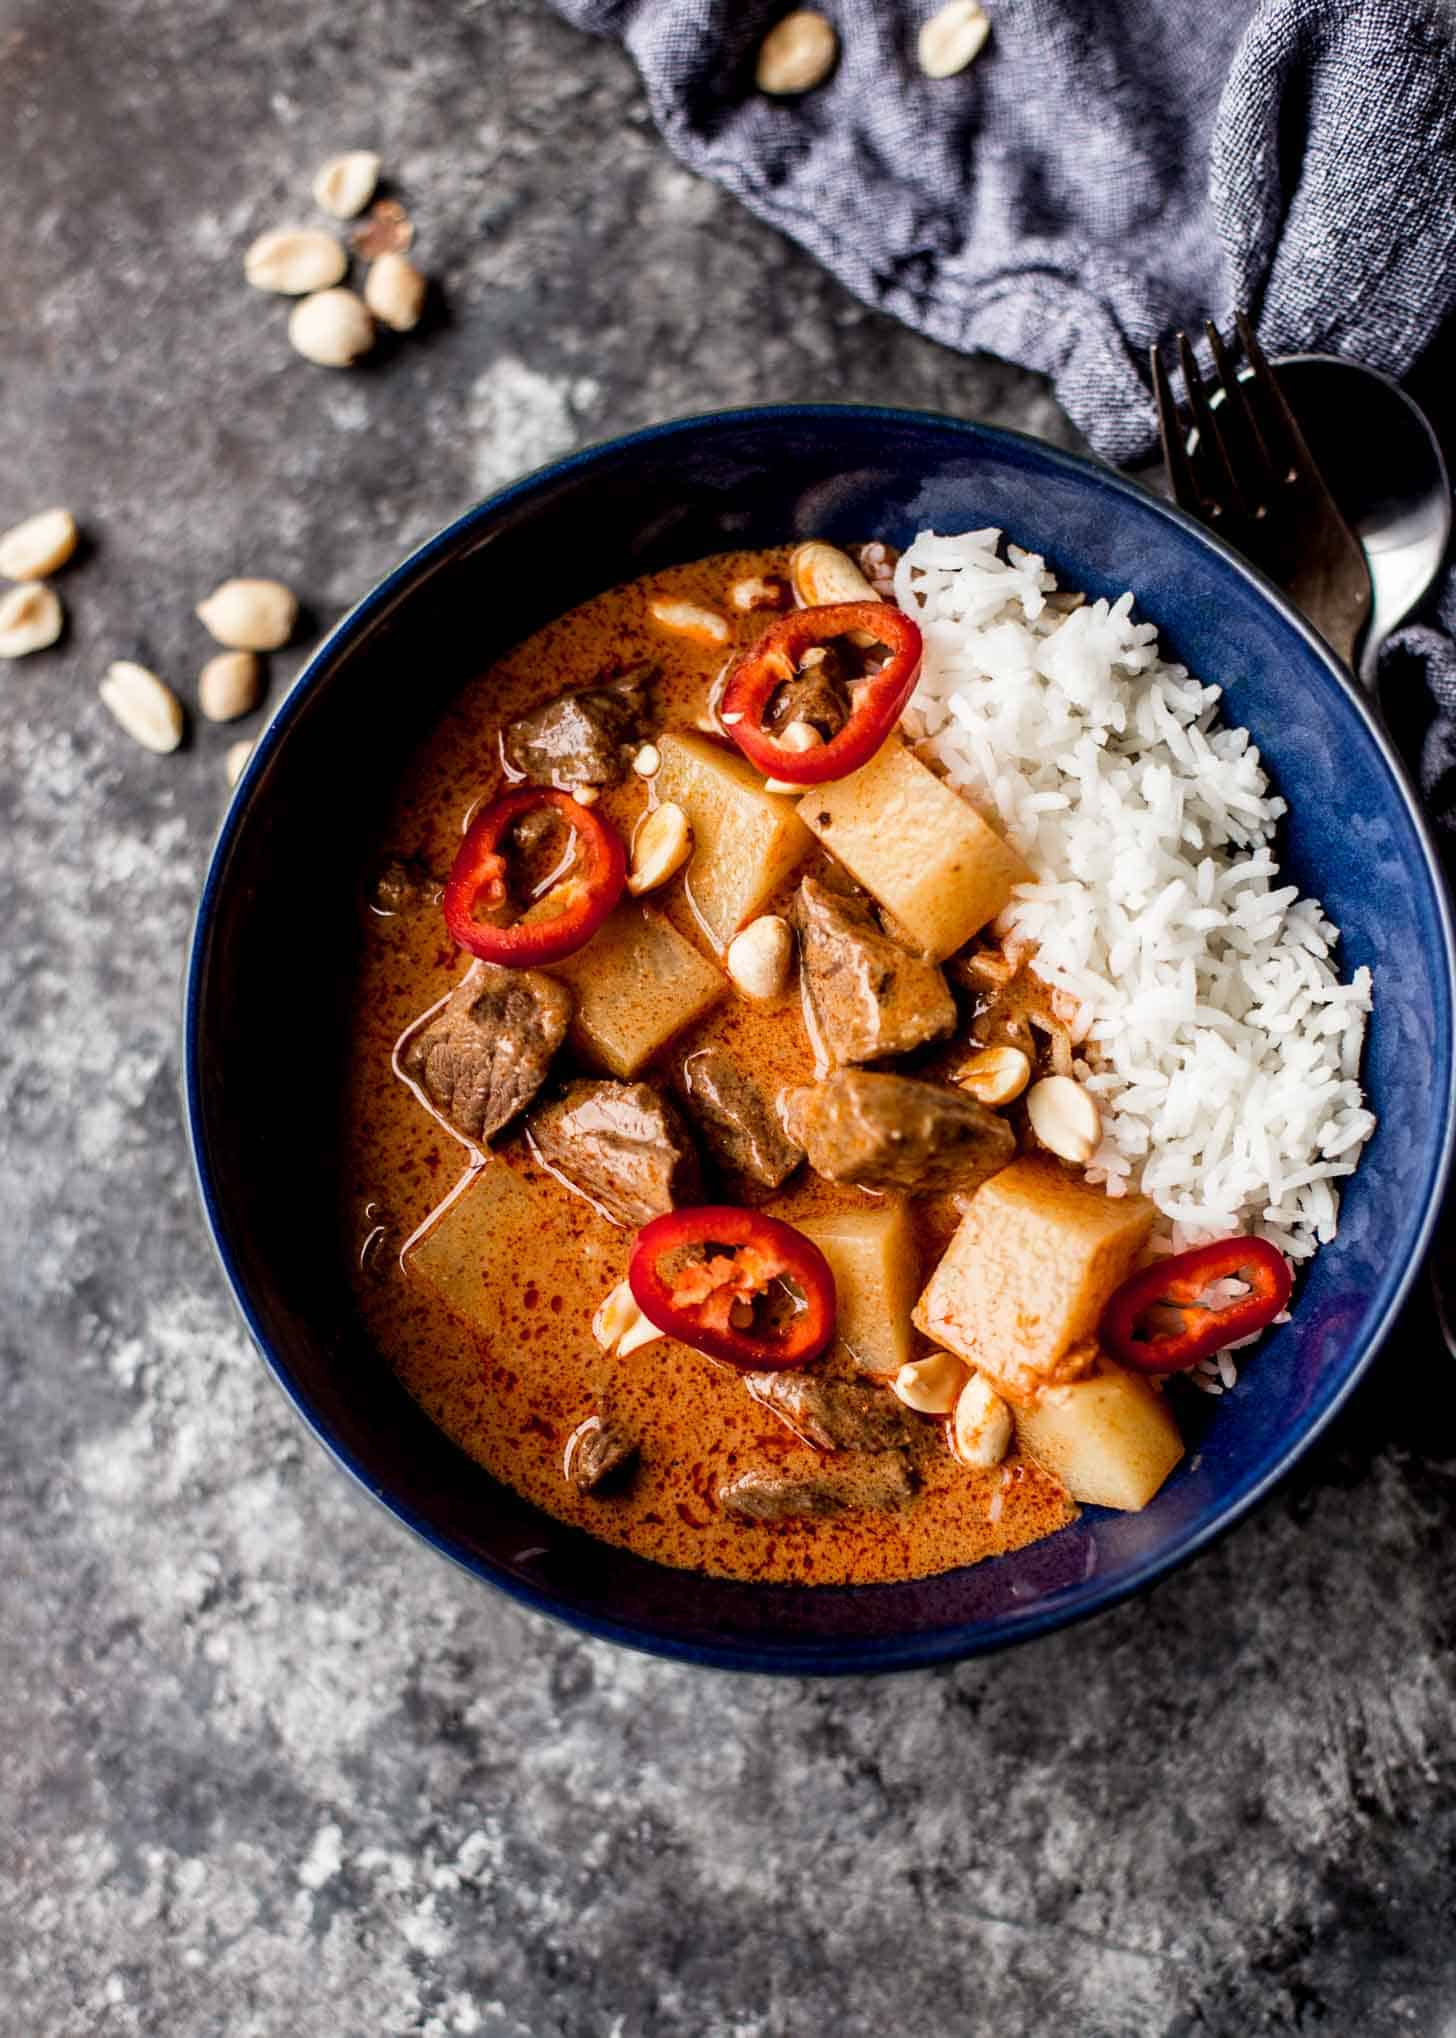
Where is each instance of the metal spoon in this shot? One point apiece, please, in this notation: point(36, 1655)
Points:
point(1382, 461)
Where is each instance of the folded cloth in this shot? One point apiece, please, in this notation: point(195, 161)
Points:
point(1099, 175)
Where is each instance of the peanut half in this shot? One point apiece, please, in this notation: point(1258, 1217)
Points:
point(660, 848)
point(38, 547)
point(345, 184)
point(333, 328)
point(394, 291)
point(31, 618)
point(294, 260)
point(797, 54)
point(229, 685)
point(145, 707)
point(250, 615)
point(758, 959)
point(953, 37)
point(1065, 1118)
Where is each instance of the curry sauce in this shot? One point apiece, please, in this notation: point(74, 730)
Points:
point(478, 1274)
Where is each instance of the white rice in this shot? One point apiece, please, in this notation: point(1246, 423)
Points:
point(1220, 1042)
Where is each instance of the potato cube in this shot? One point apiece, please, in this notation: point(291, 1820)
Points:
point(920, 850)
point(637, 984)
point(746, 843)
point(1028, 1273)
point(876, 1268)
point(1108, 1438)
point(499, 1222)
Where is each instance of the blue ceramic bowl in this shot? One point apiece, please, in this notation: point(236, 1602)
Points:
point(263, 994)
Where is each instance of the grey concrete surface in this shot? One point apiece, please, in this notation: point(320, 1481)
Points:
point(266, 1766)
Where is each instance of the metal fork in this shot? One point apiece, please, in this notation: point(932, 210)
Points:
point(1241, 466)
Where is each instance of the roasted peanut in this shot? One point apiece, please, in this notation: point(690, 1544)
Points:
point(995, 1076)
point(660, 848)
point(345, 184)
point(333, 328)
point(250, 615)
point(980, 1428)
point(1065, 1118)
point(31, 618)
point(797, 54)
point(954, 35)
point(759, 958)
point(294, 260)
point(931, 1385)
point(229, 685)
point(38, 547)
point(144, 705)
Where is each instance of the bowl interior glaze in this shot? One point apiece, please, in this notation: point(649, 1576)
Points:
point(270, 951)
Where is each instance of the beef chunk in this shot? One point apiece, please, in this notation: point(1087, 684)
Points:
point(598, 1454)
point(892, 1132)
point(836, 1415)
point(782, 1489)
point(738, 1124)
point(816, 694)
point(870, 997)
point(403, 883)
point(580, 738)
point(485, 1057)
point(623, 1145)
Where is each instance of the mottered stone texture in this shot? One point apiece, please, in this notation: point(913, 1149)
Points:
point(267, 1767)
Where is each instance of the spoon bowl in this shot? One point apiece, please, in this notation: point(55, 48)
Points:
point(1382, 461)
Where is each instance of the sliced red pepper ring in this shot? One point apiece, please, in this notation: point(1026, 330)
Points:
point(876, 700)
point(734, 1284)
point(1162, 1320)
point(570, 910)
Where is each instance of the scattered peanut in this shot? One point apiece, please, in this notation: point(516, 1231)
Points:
point(31, 617)
point(759, 957)
point(687, 619)
point(294, 260)
point(822, 573)
point(952, 38)
point(394, 291)
point(1065, 1118)
point(995, 1076)
point(229, 685)
point(345, 184)
point(38, 547)
point(757, 594)
point(931, 1385)
point(619, 1325)
point(797, 54)
point(250, 615)
point(660, 848)
point(586, 795)
point(333, 328)
point(980, 1429)
point(797, 736)
point(235, 757)
point(648, 761)
point(146, 708)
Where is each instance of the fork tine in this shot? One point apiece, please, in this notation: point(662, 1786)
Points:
point(1239, 409)
point(1171, 431)
point(1230, 495)
point(1271, 396)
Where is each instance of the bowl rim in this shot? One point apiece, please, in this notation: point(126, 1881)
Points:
point(830, 1656)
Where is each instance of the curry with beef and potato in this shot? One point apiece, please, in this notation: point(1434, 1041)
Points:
point(704, 1145)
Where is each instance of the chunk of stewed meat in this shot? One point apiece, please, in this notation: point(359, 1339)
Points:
point(837, 1415)
point(816, 694)
point(402, 884)
point(599, 1454)
point(623, 1145)
point(893, 1132)
point(816, 1488)
point(484, 1058)
point(737, 1122)
point(870, 997)
point(581, 738)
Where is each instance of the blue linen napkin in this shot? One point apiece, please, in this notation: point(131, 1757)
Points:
point(1106, 171)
